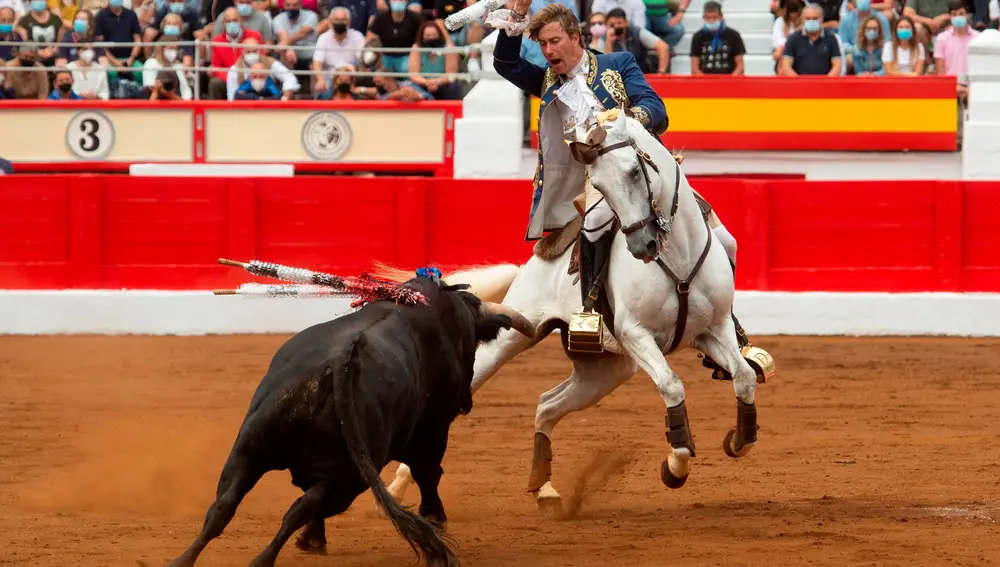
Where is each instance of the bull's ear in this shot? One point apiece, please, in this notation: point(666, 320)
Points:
point(489, 327)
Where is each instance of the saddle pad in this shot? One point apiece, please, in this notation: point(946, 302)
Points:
point(554, 244)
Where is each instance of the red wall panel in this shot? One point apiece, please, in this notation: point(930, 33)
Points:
point(117, 232)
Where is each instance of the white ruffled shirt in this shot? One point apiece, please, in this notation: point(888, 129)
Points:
point(579, 103)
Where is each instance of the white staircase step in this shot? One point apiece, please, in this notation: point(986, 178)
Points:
point(739, 6)
point(744, 22)
point(755, 43)
point(754, 65)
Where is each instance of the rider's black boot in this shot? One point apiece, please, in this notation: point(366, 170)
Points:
point(593, 257)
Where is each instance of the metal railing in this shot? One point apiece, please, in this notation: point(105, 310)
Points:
point(197, 68)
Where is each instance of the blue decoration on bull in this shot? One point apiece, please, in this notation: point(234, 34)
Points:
point(429, 272)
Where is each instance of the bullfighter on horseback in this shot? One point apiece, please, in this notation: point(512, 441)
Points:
point(581, 83)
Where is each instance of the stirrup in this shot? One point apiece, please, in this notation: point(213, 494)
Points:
point(586, 332)
point(759, 359)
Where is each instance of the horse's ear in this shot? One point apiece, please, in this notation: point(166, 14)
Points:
point(620, 123)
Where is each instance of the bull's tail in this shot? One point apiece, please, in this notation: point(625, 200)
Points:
point(488, 283)
point(425, 539)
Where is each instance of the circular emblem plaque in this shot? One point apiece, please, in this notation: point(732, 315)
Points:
point(90, 134)
point(326, 136)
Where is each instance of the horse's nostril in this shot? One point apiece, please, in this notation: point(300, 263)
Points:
point(651, 248)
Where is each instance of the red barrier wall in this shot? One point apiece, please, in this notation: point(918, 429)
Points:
point(166, 233)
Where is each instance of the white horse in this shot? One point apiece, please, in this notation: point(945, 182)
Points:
point(648, 192)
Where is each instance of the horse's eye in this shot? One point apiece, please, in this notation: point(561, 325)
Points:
point(635, 173)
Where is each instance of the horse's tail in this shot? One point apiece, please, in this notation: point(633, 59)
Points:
point(488, 283)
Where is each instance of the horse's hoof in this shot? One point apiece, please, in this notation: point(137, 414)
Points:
point(668, 478)
point(550, 506)
point(728, 445)
point(314, 546)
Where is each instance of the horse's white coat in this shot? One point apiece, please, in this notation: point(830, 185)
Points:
point(643, 297)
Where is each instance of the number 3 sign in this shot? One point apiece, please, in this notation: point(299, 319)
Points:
point(90, 135)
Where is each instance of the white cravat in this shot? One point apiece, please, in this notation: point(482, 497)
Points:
point(579, 103)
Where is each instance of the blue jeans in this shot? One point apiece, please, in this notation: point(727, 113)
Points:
point(396, 63)
point(660, 26)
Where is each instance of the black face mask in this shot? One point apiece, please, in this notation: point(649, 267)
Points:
point(168, 85)
point(343, 88)
point(28, 60)
point(340, 28)
point(433, 43)
point(66, 87)
point(292, 14)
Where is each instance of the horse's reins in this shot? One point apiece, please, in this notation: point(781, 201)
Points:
point(683, 287)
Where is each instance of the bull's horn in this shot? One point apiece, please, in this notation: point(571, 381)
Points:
point(519, 322)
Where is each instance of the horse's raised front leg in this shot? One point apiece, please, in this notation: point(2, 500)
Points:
point(642, 346)
point(590, 382)
point(719, 342)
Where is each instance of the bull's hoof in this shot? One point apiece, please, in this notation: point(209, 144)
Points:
point(668, 478)
point(309, 545)
point(729, 446)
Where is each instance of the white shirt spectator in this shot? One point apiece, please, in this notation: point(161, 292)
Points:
point(306, 18)
point(635, 10)
point(904, 65)
point(332, 53)
point(778, 35)
point(152, 66)
point(92, 79)
point(279, 73)
point(995, 9)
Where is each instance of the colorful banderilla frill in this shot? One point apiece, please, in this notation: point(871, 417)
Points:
point(307, 283)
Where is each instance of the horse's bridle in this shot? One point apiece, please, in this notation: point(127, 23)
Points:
point(644, 159)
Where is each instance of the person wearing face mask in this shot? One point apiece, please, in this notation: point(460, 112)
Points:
point(296, 26)
point(595, 31)
point(167, 56)
point(7, 33)
point(866, 55)
point(252, 56)
point(860, 10)
point(118, 24)
point(188, 30)
point(258, 86)
point(165, 87)
point(343, 85)
point(638, 41)
point(27, 84)
point(342, 45)
point(951, 50)
point(90, 80)
point(63, 87)
point(225, 56)
point(440, 84)
point(716, 49)
point(248, 18)
point(396, 28)
point(360, 14)
point(41, 26)
point(812, 50)
point(80, 33)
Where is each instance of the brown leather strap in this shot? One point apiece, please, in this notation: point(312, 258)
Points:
point(683, 288)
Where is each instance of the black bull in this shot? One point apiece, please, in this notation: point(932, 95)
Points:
point(343, 398)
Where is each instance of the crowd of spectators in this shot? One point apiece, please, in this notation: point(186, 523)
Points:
point(262, 43)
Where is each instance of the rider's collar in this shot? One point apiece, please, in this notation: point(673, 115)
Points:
point(582, 67)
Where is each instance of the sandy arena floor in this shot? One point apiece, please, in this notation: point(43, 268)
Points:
point(871, 452)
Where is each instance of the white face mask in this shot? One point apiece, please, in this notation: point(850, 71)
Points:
point(258, 84)
point(170, 55)
point(369, 57)
point(87, 55)
point(252, 58)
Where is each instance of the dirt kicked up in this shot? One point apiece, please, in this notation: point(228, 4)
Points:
point(870, 452)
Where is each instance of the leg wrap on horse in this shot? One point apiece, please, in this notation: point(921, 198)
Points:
point(746, 424)
point(678, 428)
point(541, 462)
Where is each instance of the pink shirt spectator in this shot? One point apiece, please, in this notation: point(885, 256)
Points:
point(306, 4)
point(953, 48)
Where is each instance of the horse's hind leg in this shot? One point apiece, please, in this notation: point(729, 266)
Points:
point(642, 346)
point(590, 382)
point(720, 343)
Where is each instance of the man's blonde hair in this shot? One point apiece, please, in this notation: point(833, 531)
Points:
point(558, 13)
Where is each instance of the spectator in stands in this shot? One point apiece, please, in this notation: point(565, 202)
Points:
point(789, 19)
point(472, 33)
point(249, 20)
point(866, 55)
point(118, 24)
point(166, 57)
point(27, 84)
point(81, 33)
point(831, 12)
point(41, 26)
point(396, 28)
point(812, 50)
point(190, 28)
point(165, 86)
point(639, 41)
point(89, 79)
point(716, 49)
point(390, 88)
point(343, 87)
point(442, 87)
point(860, 10)
point(296, 26)
point(904, 55)
point(66, 10)
point(951, 50)
point(931, 16)
point(7, 33)
point(264, 7)
point(636, 12)
point(63, 87)
point(994, 14)
point(145, 11)
point(258, 85)
point(225, 56)
point(594, 31)
point(360, 14)
point(341, 45)
point(253, 55)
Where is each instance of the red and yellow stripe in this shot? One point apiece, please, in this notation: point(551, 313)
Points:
point(806, 114)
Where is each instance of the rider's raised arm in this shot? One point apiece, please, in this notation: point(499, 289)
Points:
point(643, 96)
point(507, 61)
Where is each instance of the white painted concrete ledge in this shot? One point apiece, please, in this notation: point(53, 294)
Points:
point(201, 313)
